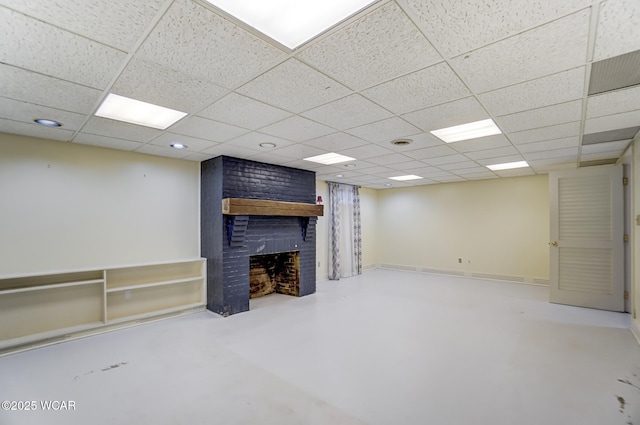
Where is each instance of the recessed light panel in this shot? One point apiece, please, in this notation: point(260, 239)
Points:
point(405, 178)
point(329, 158)
point(508, 166)
point(133, 111)
point(472, 130)
point(291, 23)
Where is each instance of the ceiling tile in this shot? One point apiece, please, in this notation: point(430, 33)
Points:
point(380, 46)
point(488, 142)
point(516, 172)
point(271, 157)
point(542, 117)
point(243, 112)
point(148, 82)
point(348, 112)
point(116, 23)
point(491, 153)
point(207, 129)
point(294, 86)
point(449, 159)
point(35, 88)
point(161, 151)
point(106, 142)
point(120, 130)
point(555, 164)
point(192, 39)
point(449, 179)
point(49, 50)
point(384, 131)
point(567, 142)
point(230, 150)
point(448, 114)
point(464, 168)
point(366, 151)
point(615, 102)
point(556, 153)
point(27, 112)
point(252, 141)
point(388, 160)
point(405, 165)
point(546, 133)
point(433, 152)
point(618, 30)
point(480, 175)
point(297, 129)
point(460, 26)
point(193, 144)
point(500, 160)
point(336, 141)
point(298, 151)
point(550, 90)
point(612, 122)
point(35, 130)
point(532, 54)
point(436, 84)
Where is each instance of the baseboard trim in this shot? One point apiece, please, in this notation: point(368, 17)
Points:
point(528, 280)
point(635, 330)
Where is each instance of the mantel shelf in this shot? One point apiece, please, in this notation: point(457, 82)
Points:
point(242, 206)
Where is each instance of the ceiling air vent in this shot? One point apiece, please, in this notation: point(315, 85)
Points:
point(610, 136)
point(402, 142)
point(615, 73)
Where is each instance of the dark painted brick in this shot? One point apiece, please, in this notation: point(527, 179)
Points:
point(228, 266)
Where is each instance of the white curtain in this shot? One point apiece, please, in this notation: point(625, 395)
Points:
point(345, 242)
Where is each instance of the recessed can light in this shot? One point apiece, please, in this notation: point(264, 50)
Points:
point(388, 185)
point(349, 165)
point(268, 145)
point(339, 176)
point(47, 123)
point(178, 146)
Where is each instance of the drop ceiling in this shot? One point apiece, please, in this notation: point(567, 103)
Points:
point(398, 69)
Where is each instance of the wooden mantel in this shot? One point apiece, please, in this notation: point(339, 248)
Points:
point(242, 206)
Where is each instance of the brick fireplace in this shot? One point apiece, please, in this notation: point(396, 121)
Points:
point(282, 248)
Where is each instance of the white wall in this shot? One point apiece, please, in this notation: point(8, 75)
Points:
point(67, 206)
point(498, 226)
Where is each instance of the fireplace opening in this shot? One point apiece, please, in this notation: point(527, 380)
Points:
point(279, 273)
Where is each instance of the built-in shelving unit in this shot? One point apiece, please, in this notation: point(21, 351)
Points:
point(43, 308)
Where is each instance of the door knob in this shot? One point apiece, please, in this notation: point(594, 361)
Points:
point(554, 243)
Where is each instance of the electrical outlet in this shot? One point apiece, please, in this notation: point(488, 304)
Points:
point(459, 260)
point(318, 264)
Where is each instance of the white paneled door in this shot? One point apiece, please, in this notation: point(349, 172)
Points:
point(586, 246)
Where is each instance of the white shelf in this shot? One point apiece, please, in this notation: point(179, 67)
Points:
point(52, 286)
point(44, 336)
point(44, 308)
point(152, 284)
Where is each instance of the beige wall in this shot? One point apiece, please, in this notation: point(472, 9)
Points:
point(498, 226)
point(67, 206)
point(635, 288)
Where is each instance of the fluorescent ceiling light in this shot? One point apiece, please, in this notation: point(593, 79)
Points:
point(291, 23)
point(471, 130)
point(329, 158)
point(404, 178)
point(133, 111)
point(508, 166)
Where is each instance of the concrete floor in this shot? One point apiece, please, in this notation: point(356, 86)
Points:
point(386, 347)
